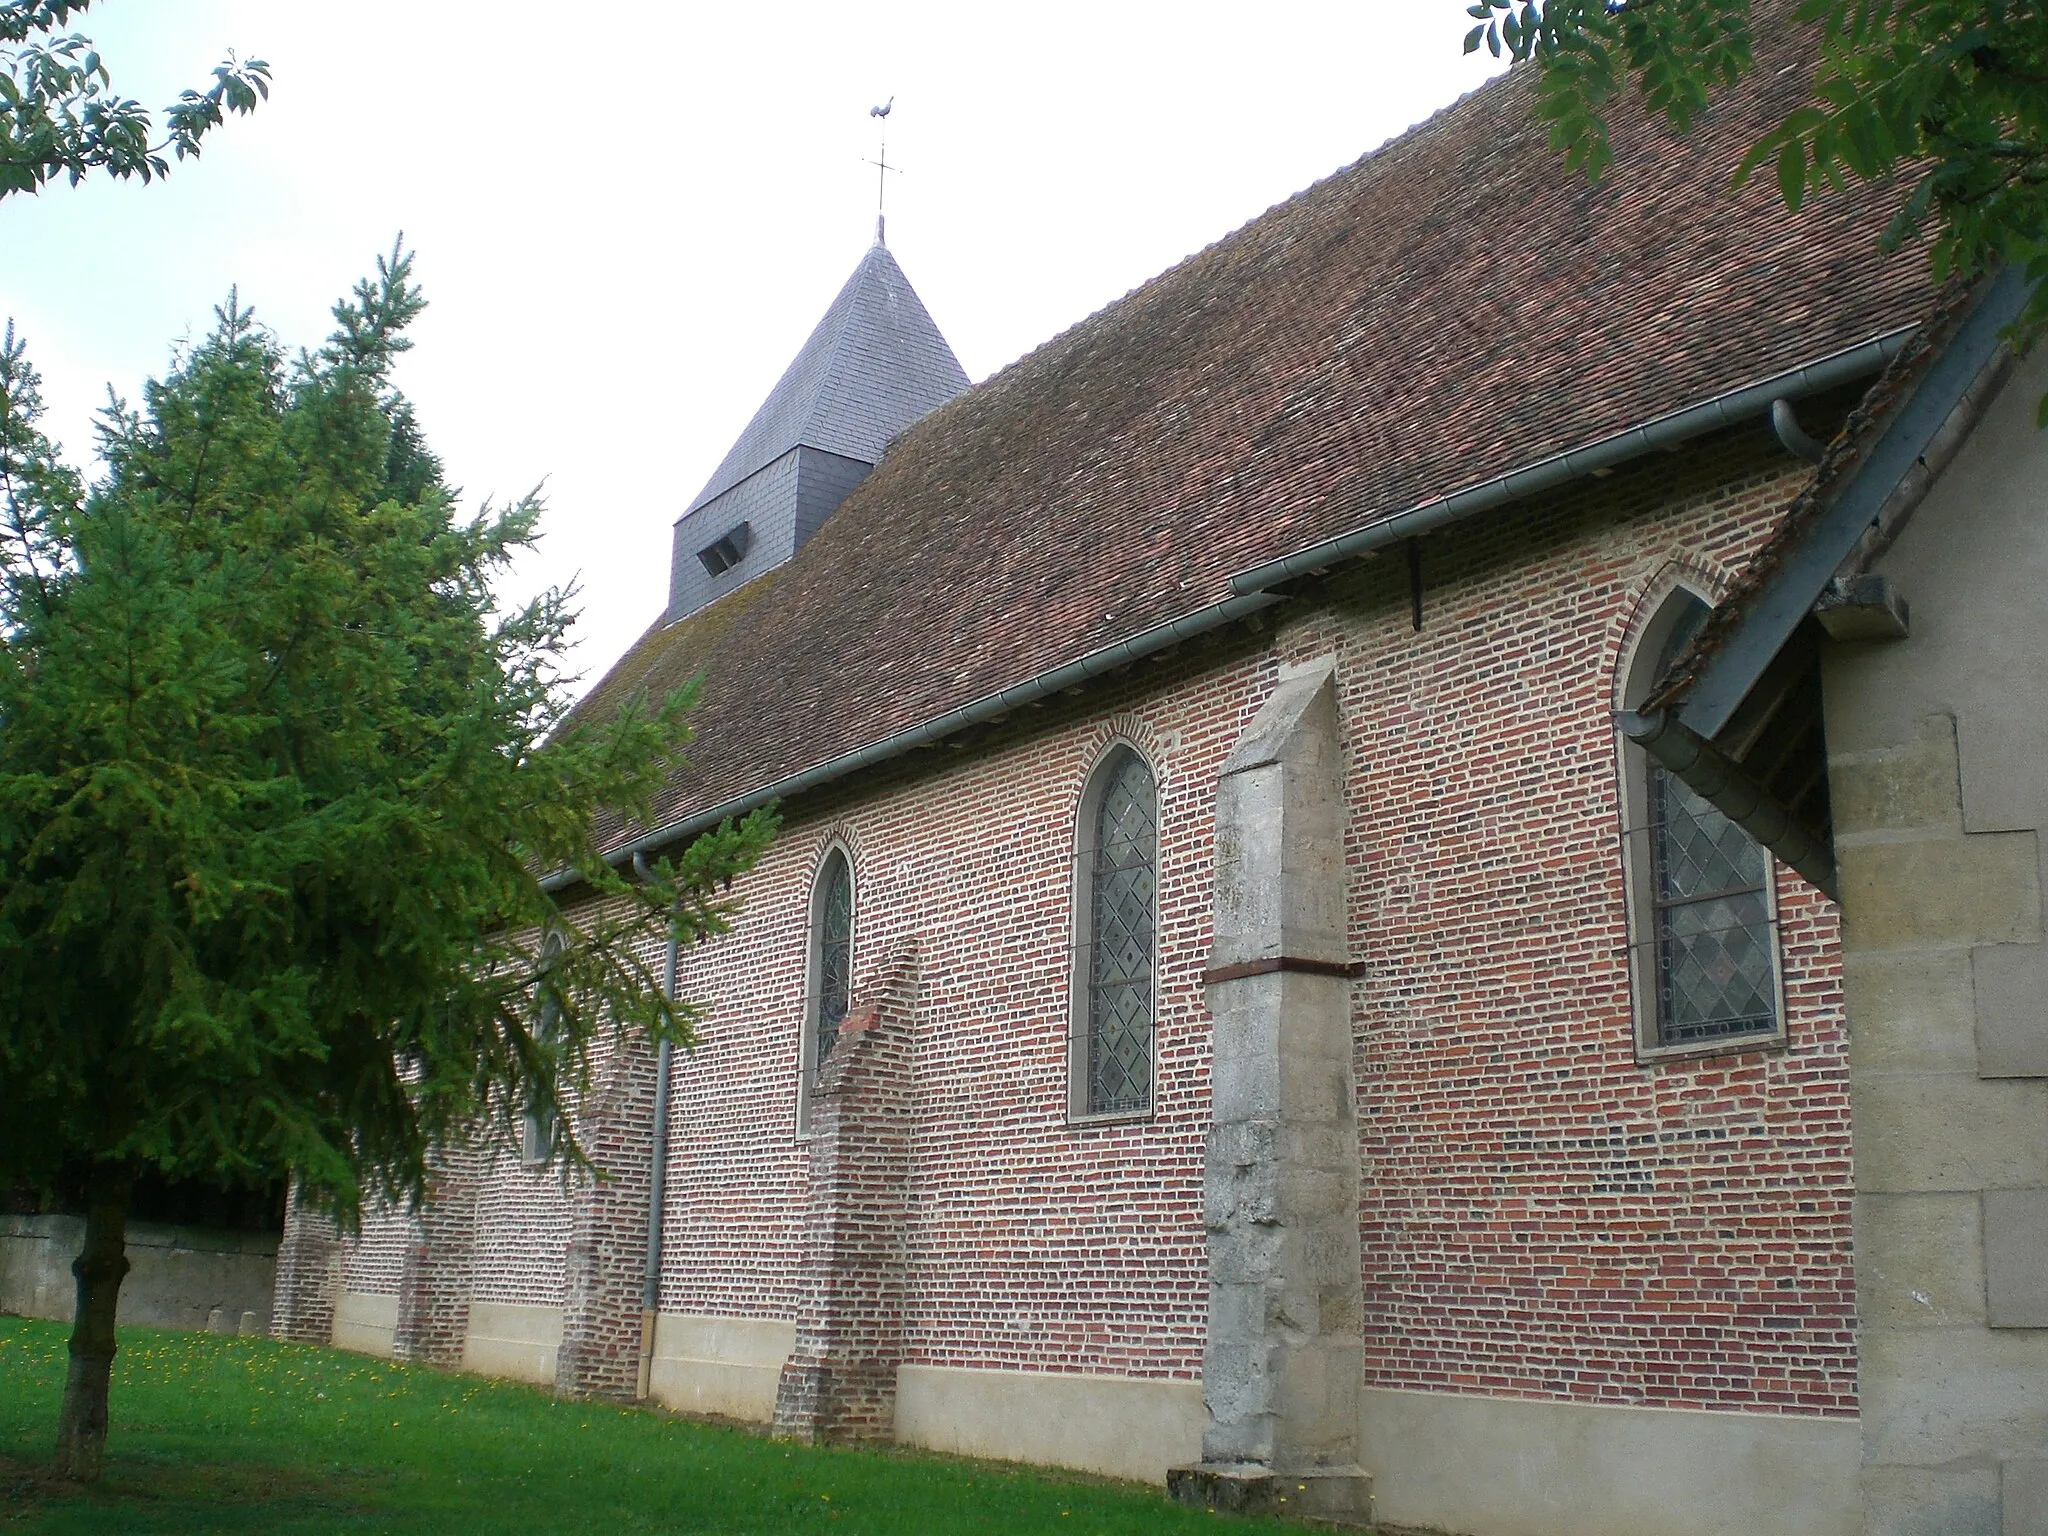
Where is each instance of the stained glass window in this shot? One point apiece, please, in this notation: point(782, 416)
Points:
point(1713, 920)
point(538, 1129)
point(832, 926)
point(1714, 948)
point(1123, 908)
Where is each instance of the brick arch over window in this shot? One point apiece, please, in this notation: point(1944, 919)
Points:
point(1110, 1060)
point(1679, 572)
point(828, 965)
point(1702, 910)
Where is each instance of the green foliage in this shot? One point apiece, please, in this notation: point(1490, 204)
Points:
point(1950, 94)
point(277, 784)
point(58, 113)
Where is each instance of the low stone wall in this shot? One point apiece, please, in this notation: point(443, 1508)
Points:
point(182, 1277)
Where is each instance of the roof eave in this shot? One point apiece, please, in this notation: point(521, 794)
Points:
point(1743, 403)
point(1910, 451)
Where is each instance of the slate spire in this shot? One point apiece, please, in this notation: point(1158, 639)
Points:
point(874, 364)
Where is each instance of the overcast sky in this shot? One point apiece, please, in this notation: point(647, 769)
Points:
point(625, 229)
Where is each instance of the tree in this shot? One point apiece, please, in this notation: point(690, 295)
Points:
point(57, 113)
point(1951, 93)
point(278, 786)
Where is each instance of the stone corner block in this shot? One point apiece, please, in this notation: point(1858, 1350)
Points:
point(1908, 1500)
point(1947, 1132)
point(2011, 986)
point(1941, 892)
point(1339, 1496)
point(1911, 785)
point(1997, 757)
point(2016, 1258)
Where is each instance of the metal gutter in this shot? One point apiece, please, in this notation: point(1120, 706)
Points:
point(1791, 594)
point(1731, 791)
point(977, 712)
point(1251, 592)
point(1726, 409)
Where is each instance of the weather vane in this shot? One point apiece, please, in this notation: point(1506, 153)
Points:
point(881, 163)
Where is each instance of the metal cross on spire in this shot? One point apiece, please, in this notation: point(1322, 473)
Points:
point(881, 164)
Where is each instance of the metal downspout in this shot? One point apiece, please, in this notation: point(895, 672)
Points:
point(650, 1289)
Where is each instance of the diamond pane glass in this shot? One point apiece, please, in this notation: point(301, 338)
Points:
point(834, 940)
point(1120, 951)
point(1715, 952)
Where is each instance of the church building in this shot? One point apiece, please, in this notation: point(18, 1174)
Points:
point(1408, 889)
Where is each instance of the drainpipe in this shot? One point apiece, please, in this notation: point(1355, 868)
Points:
point(650, 1290)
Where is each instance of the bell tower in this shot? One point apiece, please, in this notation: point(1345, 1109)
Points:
point(874, 364)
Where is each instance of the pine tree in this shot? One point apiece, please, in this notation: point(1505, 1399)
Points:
point(278, 787)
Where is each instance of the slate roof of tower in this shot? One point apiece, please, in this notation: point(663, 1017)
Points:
point(871, 366)
point(1453, 306)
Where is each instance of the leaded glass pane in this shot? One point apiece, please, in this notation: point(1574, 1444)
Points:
point(834, 939)
point(1125, 901)
point(1714, 945)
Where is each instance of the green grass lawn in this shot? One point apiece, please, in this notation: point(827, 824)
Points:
point(219, 1434)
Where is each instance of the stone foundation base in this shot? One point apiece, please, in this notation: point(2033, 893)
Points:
point(1332, 1495)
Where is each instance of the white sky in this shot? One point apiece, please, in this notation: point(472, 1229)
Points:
point(625, 230)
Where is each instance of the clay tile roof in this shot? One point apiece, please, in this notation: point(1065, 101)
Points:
point(1448, 308)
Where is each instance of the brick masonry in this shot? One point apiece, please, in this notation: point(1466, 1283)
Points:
point(436, 1282)
point(308, 1276)
point(1541, 1216)
point(839, 1382)
point(605, 1256)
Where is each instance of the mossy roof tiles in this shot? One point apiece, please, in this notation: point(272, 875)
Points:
point(1452, 306)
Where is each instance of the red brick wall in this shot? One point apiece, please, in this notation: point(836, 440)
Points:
point(1541, 1216)
point(374, 1260)
point(522, 1217)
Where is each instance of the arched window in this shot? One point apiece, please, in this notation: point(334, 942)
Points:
point(1116, 914)
point(831, 959)
point(538, 1131)
point(1702, 912)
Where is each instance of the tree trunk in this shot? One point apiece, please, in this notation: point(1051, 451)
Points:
point(100, 1267)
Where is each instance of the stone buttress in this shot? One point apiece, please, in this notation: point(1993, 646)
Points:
point(1282, 1366)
